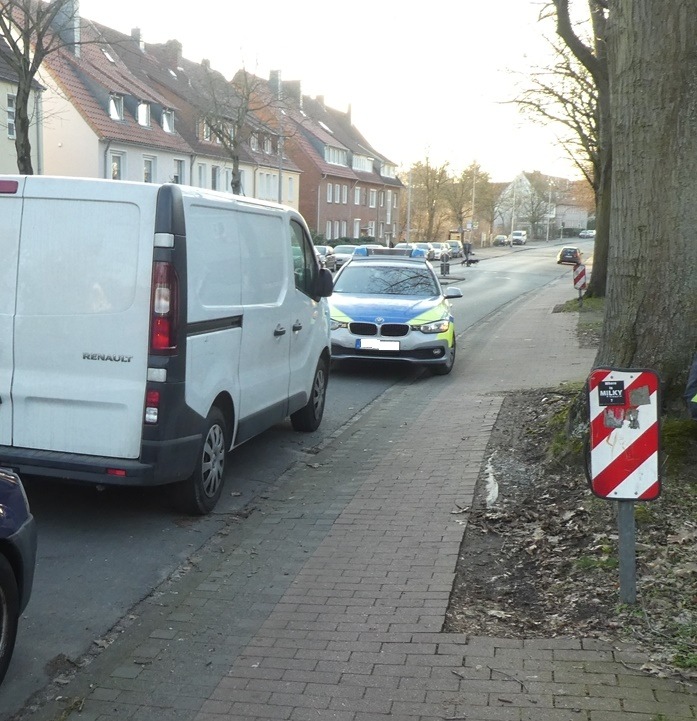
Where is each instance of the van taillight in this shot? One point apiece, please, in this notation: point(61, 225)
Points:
point(152, 407)
point(163, 326)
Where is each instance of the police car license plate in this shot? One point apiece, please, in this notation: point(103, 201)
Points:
point(377, 344)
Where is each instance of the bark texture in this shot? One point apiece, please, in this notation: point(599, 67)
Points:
point(651, 304)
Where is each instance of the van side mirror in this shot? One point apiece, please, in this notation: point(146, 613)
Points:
point(325, 283)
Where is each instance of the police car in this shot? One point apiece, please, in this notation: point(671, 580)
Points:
point(392, 307)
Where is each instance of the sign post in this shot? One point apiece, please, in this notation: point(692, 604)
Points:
point(580, 281)
point(624, 447)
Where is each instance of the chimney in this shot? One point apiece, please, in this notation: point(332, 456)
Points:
point(292, 94)
point(206, 64)
point(67, 24)
point(173, 53)
point(138, 38)
point(275, 82)
point(348, 114)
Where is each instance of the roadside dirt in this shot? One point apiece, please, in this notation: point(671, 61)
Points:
point(539, 556)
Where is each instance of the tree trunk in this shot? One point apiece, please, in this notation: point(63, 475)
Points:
point(22, 127)
point(651, 305)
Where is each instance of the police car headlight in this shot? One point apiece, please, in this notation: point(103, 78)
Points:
point(440, 326)
point(336, 324)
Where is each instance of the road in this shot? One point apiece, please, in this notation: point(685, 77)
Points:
point(100, 552)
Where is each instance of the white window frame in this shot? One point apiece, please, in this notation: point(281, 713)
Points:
point(118, 159)
point(357, 195)
point(116, 106)
point(11, 116)
point(373, 199)
point(168, 120)
point(151, 162)
point(337, 193)
point(291, 190)
point(330, 190)
point(215, 177)
point(357, 228)
point(344, 228)
point(344, 194)
point(336, 229)
point(328, 230)
point(254, 142)
point(179, 169)
point(143, 114)
point(201, 175)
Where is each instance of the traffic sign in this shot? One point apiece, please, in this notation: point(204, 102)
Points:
point(624, 434)
point(580, 276)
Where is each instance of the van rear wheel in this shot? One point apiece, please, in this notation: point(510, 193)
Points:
point(9, 614)
point(308, 418)
point(199, 494)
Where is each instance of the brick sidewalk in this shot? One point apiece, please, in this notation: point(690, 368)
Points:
point(327, 602)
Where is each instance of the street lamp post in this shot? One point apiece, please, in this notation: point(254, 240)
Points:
point(549, 209)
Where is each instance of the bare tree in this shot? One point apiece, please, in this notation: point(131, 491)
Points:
point(428, 188)
point(651, 305)
point(593, 58)
point(32, 30)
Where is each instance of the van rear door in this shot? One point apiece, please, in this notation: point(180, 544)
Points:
point(10, 224)
point(82, 316)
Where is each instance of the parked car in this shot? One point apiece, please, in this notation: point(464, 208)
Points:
point(500, 240)
point(17, 561)
point(342, 253)
point(428, 249)
point(326, 256)
point(440, 249)
point(393, 308)
point(587, 234)
point(569, 255)
point(455, 248)
point(519, 237)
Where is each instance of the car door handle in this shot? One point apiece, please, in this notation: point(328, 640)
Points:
point(280, 330)
point(297, 326)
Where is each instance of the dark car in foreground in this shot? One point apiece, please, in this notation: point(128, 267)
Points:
point(569, 256)
point(393, 308)
point(17, 561)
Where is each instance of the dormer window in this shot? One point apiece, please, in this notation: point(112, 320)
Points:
point(254, 142)
point(116, 107)
point(144, 114)
point(168, 121)
point(206, 131)
point(267, 146)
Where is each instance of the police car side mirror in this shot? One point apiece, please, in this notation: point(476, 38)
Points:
point(452, 293)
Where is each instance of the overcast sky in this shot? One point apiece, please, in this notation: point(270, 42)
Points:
point(423, 80)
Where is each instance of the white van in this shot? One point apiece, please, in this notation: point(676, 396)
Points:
point(147, 329)
point(519, 237)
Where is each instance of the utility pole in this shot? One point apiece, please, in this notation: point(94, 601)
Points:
point(409, 207)
point(474, 186)
point(549, 209)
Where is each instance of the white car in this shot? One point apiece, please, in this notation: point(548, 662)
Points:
point(342, 253)
point(393, 308)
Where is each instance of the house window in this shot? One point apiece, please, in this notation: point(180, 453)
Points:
point(228, 180)
point(291, 190)
point(371, 228)
point(206, 131)
point(168, 121)
point(178, 176)
point(337, 193)
point(116, 107)
point(382, 229)
point(148, 170)
point(201, 175)
point(382, 199)
point(394, 200)
point(215, 177)
point(144, 114)
point(357, 196)
point(357, 228)
point(328, 231)
point(267, 146)
point(11, 130)
point(116, 166)
point(343, 229)
point(254, 142)
point(344, 194)
point(373, 198)
point(336, 229)
point(330, 188)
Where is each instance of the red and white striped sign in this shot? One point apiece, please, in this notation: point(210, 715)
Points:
point(624, 434)
point(580, 276)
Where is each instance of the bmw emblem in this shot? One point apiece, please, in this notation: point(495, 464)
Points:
point(379, 320)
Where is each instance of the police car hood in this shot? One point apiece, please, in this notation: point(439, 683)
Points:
point(390, 309)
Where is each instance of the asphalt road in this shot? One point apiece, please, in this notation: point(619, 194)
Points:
point(100, 552)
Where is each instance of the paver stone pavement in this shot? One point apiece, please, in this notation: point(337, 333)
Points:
point(327, 602)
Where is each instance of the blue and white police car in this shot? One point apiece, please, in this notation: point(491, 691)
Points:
point(392, 307)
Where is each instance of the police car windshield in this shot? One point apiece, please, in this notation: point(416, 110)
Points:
point(359, 279)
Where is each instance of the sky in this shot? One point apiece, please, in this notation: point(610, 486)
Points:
point(429, 80)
